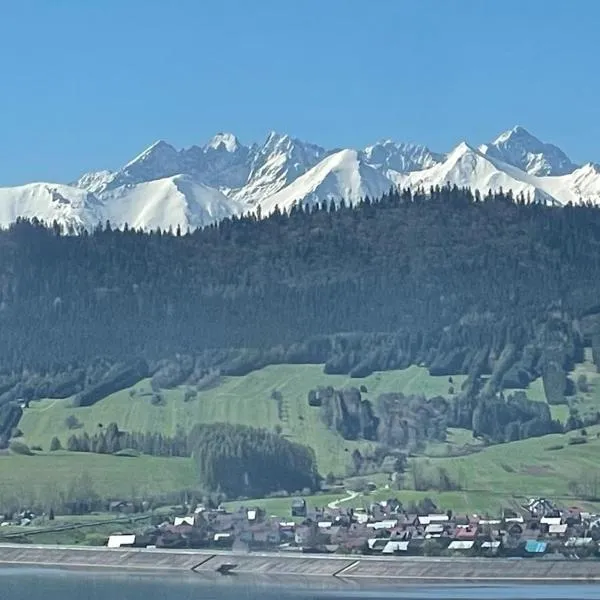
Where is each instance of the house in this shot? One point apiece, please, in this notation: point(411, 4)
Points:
point(121, 541)
point(558, 530)
point(540, 507)
point(535, 547)
point(434, 530)
point(395, 547)
point(298, 507)
point(491, 547)
point(465, 532)
point(386, 524)
point(461, 546)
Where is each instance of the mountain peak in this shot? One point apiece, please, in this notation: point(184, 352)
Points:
point(400, 157)
point(462, 149)
point(226, 141)
point(160, 148)
point(517, 132)
point(521, 149)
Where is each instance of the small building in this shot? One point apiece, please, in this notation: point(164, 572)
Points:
point(434, 530)
point(121, 541)
point(535, 547)
point(298, 507)
point(461, 546)
point(490, 547)
point(559, 530)
point(393, 547)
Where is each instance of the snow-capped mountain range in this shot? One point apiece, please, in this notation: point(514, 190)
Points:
point(192, 187)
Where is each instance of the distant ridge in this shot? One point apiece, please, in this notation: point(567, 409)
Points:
point(164, 187)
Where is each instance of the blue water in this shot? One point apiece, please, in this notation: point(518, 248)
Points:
point(43, 584)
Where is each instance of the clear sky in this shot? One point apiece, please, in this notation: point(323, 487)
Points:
point(88, 84)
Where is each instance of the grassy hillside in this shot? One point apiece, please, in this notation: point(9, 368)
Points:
point(497, 477)
point(246, 400)
point(528, 467)
point(39, 477)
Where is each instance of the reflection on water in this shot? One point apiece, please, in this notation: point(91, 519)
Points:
point(43, 584)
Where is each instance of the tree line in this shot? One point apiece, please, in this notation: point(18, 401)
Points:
point(444, 278)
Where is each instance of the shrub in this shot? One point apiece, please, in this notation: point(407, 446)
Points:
point(190, 395)
point(37, 448)
point(577, 439)
point(582, 384)
point(72, 422)
point(157, 400)
point(55, 444)
point(20, 448)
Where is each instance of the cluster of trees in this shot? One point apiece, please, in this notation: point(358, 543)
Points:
point(399, 421)
point(234, 460)
point(111, 440)
point(244, 461)
point(514, 418)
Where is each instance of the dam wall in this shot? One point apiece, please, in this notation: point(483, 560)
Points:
point(300, 566)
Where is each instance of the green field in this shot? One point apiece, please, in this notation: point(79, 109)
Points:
point(245, 400)
point(40, 478)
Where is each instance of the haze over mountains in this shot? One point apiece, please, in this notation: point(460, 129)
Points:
point(192, 187)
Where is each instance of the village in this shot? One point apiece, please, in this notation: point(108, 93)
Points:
point(383, 528)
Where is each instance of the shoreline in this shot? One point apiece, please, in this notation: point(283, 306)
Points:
point(316, 567)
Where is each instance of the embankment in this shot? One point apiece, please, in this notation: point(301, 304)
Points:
point(278, 565)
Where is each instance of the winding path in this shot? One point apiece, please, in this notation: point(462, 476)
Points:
point(351, 496)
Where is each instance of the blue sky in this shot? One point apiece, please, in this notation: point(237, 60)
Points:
point(87, 85)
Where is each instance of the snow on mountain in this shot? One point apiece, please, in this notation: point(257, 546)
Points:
point(95, 181)
point(580, 186)
point(519, 148)
point(165, 187)
point(167, 203)
point(403, 158)
point(224, 141)
point(276, 164)
point(223, 163)
point(467, 167)
point(342, 175)
point(69, 206)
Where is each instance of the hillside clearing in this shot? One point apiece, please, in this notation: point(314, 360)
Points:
point(246, 400)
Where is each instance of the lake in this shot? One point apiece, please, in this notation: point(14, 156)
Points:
point(45, 584)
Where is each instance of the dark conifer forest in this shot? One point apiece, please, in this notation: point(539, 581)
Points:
point(491, 286)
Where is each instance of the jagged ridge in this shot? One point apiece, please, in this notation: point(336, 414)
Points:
point(192, 187)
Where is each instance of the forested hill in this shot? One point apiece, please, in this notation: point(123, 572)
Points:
point(444, 278)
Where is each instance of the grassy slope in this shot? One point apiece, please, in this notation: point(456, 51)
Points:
point(38, 477)
point(238, 400)
point(524, 468)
